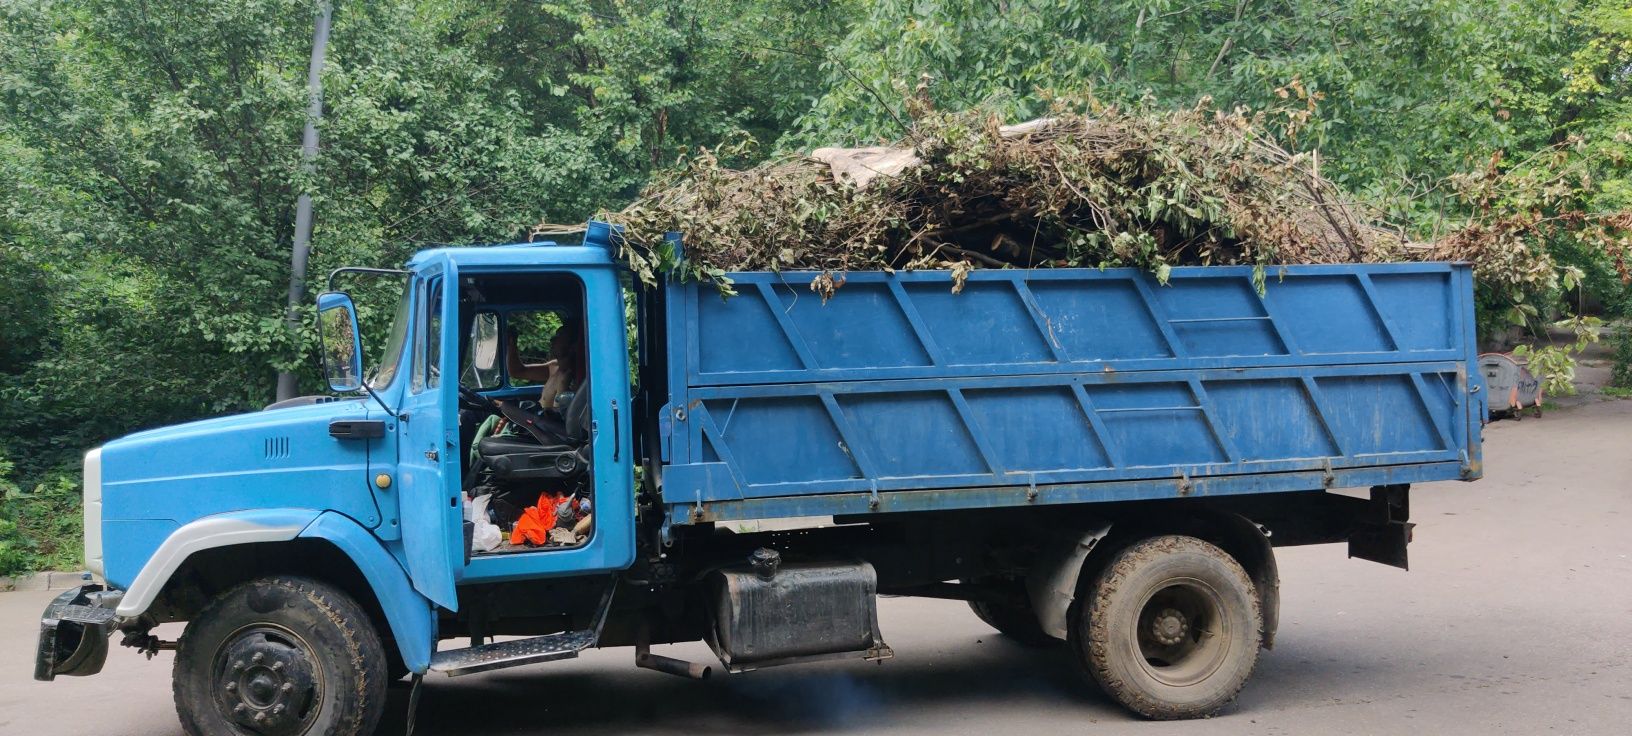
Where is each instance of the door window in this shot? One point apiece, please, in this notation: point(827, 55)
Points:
point(427, 359)
point(481, 369)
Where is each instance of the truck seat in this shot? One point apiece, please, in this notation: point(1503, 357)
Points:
point(513, 444)
point(525, 457)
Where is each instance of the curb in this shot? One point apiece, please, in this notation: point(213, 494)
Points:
point(51, 580)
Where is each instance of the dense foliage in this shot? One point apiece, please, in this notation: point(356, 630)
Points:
point(149, 149)
point(1504, 119)
point(149, 162)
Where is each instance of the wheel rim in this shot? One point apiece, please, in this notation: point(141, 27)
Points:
point(1182, 636)
point(267, 680)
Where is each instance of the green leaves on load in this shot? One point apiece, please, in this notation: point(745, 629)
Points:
point(1142, 187)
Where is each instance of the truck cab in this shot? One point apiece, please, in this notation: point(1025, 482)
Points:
point(449, 348)
point(372, 483)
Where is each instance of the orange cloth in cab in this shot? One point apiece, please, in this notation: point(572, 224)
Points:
point(535, 523)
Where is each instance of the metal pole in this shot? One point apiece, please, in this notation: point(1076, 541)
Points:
point(303, 205)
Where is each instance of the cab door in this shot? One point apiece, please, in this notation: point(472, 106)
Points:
point(428, 441)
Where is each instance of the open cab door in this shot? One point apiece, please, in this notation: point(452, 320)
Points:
point(428, 462)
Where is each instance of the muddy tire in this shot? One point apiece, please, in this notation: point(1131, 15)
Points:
point(1015, 622)
point(1170, 628)
point(280, 656)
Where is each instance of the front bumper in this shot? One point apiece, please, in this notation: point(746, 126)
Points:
point(74, 633)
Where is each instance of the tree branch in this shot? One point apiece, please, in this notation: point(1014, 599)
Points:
point(1229, 43)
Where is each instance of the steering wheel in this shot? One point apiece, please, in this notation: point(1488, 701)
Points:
point(474, 400)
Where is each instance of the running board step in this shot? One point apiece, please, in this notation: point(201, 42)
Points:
point(515, 653)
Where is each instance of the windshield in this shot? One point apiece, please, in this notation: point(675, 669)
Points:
point(385, 370)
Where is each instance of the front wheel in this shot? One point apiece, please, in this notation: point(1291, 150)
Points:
point(1170, 628)
point(280, 656)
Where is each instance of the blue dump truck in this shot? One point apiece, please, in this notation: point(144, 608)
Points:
point(1089, 458)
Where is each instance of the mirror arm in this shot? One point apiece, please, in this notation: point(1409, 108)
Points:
point(359, 269)
point(381, 402)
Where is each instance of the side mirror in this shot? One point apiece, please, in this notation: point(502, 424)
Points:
point(341, 342)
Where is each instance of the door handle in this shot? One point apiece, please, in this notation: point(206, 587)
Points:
point(433, 456)
point(356, 429)
point(616, 431)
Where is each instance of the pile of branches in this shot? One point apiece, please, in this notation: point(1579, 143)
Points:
point(1147, 189)
point(1524, 214)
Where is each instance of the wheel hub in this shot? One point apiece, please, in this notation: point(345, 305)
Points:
point(1169, 627)
point(1182, 635)
point(268, 681)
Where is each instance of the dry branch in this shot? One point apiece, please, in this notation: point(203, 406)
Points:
point(1117, 188)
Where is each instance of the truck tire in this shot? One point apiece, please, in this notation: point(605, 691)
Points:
point(280, 656)
point(1169, 628)
point(1015, 622)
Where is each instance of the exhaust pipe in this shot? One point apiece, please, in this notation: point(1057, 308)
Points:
point(644, 659)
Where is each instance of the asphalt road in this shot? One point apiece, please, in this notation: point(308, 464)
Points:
point(1516, 618)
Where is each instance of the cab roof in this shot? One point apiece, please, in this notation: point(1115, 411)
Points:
point(596, 249)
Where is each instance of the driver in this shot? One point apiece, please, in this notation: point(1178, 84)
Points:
point(564, 371)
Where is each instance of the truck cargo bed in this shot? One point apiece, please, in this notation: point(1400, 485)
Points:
point(1062, 386)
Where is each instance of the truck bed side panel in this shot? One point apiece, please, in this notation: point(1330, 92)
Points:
point(1047, 378)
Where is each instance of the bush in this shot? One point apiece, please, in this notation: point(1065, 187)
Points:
point(1620, 374)
point(1555, 364)
point(13, 559)
point(39, 529)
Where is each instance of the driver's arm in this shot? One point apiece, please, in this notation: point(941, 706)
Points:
point(534, 372)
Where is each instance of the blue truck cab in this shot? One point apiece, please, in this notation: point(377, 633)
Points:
point(1088, 458)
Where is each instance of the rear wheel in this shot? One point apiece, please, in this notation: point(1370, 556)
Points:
point(280, 656)
point(1015, 622)
point(1170, 628)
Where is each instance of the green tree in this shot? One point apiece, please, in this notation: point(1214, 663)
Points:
point(1407, 102)
point(1405, 91)
point(149, 163)
point(151, 169)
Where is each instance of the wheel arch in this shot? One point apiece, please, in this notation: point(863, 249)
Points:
point(1237, 535)
point(1067, 573)
point(326, 546)
point(1249, 544)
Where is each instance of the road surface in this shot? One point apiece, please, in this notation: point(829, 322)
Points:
point(1516, 618)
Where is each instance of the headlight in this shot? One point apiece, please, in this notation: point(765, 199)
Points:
point(93, 512)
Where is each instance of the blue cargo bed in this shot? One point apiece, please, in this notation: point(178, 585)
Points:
point(1063, 386)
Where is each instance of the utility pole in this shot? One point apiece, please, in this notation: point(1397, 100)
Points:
point(303, 206)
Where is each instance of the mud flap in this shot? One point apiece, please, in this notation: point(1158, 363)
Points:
point(1052, 582)
point(1386, 532)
